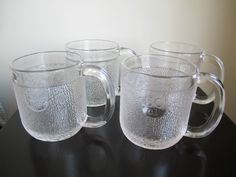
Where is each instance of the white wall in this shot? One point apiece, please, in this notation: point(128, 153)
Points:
point(32, 25)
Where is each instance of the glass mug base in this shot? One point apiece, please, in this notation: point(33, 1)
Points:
point(53, 138)
point(96, 105)
point(150, 144)
point(94, 125)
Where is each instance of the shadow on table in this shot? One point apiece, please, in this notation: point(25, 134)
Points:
point(82, 155)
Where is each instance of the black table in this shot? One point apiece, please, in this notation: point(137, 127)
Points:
point(105, 152)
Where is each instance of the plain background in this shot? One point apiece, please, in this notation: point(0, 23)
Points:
point(28, 26)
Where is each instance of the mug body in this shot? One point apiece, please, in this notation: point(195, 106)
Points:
point(50, 94)
point(102, 53)
point(156, 97)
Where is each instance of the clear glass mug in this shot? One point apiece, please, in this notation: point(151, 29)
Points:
point(206, 62)
point(157, 92)
point(105, 54)
point(51, 96)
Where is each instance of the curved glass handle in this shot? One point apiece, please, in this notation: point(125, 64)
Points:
point(101, 74)
point(217, 112)
point(214, 59)
point(211, 64)
point(128, 52)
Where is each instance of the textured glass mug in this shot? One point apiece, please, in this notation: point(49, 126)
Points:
point(105, 54)
point(51, 96)
point(157, 92)
point(206, 62)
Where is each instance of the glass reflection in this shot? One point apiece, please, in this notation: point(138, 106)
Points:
point(181, 160)
point(81, 155)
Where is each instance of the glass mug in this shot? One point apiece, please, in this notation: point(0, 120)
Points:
point(51, 96)
point(206, 62)
point(157, 92)
point(105, 54)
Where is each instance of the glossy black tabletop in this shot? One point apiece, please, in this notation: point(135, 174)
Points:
point(105, 152)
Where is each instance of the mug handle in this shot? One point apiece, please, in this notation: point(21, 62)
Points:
point(218, 108)
point(211, 59)
point(101, 74)
point(124, 51)
point(127, 50)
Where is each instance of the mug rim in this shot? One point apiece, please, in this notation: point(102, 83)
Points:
point(197, 52)
point(75, 62)
point(193, 73)
point(116, 45)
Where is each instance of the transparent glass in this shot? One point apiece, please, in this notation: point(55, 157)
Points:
point(51, 95)
point(206, 62)
point(102, 53)
point(157, 92)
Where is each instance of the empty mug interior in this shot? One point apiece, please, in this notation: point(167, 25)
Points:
point(176, 47)
point(45, 69)
point(95, 50)
point(45, 61)
point(160, 66)
point(164, 72)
